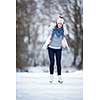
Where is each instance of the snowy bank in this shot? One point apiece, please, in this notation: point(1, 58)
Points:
point(36, 86)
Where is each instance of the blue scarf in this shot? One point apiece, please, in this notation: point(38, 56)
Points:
point(58, 31)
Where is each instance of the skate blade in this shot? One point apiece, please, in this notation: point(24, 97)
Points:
point(60, 82)
point(51, 81)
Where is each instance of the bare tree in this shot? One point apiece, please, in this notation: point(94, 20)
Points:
point(78, 32)
point(74, 19)
point(25, 9)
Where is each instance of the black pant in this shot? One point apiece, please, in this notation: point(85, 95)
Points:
point(57, 53)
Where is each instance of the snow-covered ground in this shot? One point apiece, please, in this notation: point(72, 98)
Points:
point(36, 86)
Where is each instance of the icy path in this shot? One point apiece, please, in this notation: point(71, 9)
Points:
point(36, 86)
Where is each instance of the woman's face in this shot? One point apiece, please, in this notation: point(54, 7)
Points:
point(59, 25)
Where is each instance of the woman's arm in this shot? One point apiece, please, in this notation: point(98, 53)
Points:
point(65, 43)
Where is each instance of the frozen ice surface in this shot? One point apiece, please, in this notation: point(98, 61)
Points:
point(36, 86)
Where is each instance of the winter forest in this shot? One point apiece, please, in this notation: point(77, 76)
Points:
point(33, 19)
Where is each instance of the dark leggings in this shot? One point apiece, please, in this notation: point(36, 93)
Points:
point(57, 53)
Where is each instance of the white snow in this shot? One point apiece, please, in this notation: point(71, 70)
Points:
point(25, 39)
point(36, 86)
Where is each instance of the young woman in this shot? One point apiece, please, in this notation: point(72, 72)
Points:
point(55, 48)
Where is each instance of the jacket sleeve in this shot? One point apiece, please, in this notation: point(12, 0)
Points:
point(64, 41)
point(48, 40)
point(65, 30)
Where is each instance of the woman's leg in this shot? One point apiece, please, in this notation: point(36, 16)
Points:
point(58, 60)
point(51, 58)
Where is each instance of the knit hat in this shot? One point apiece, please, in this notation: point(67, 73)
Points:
point(60, 20)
